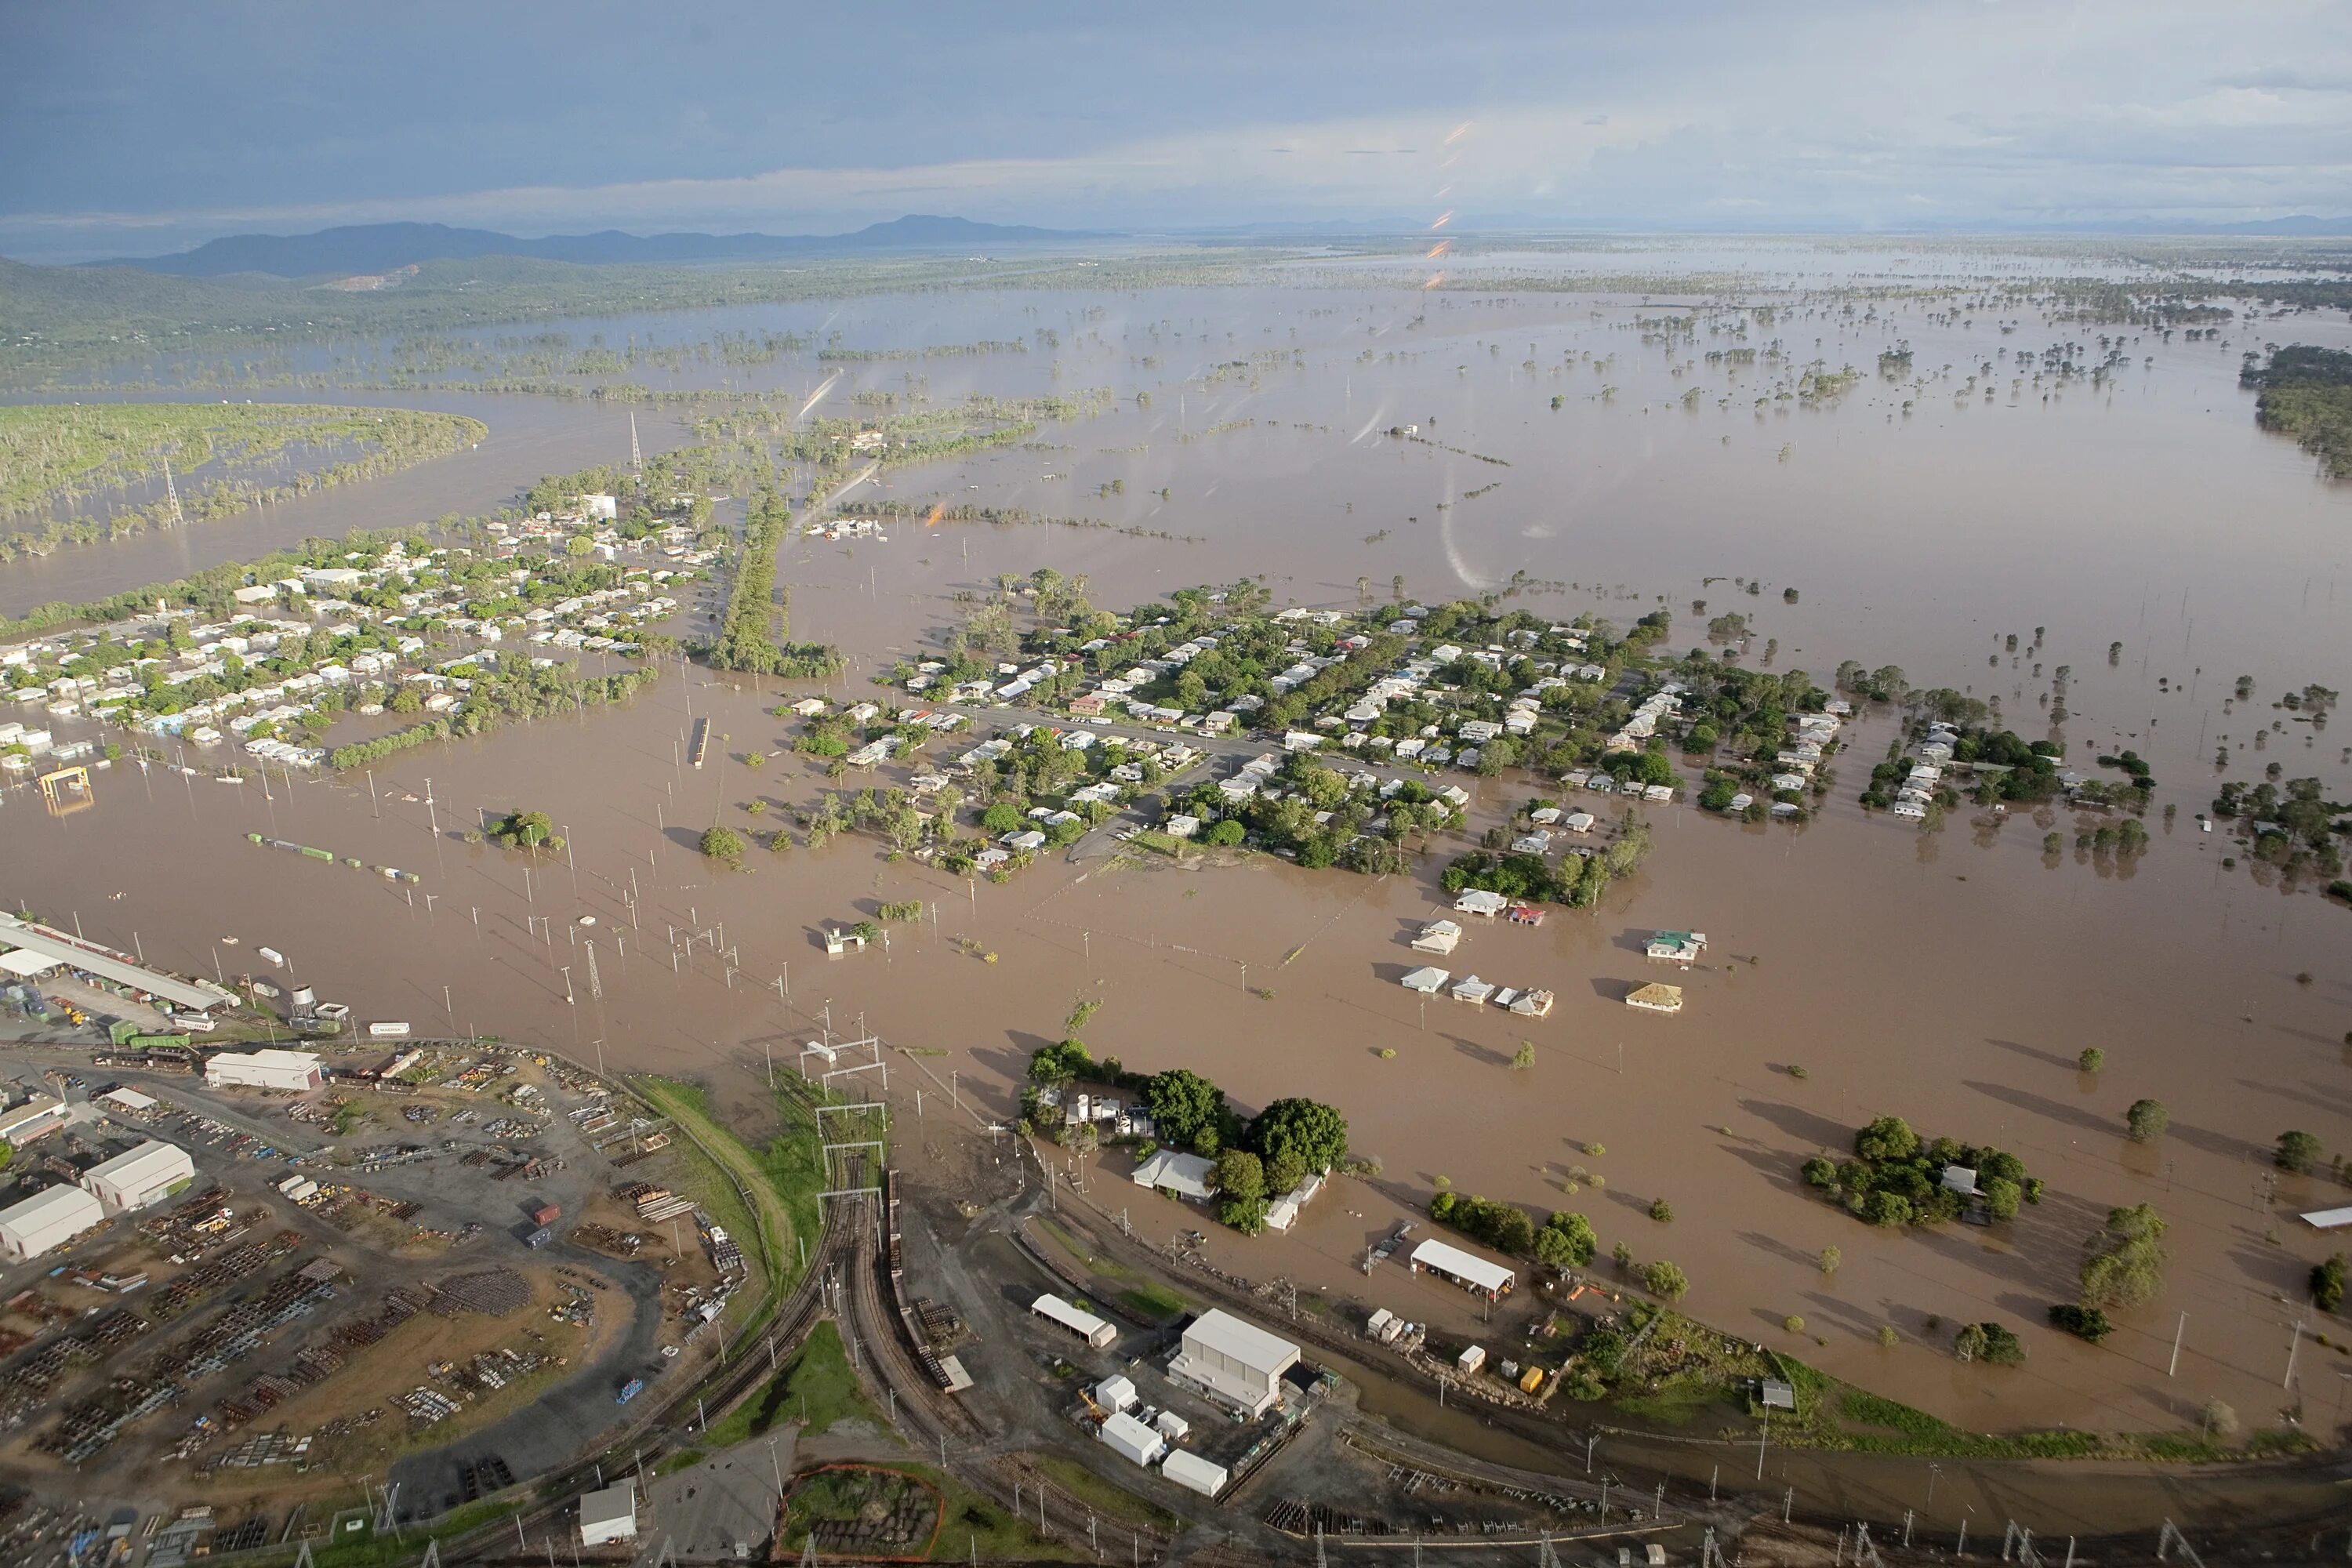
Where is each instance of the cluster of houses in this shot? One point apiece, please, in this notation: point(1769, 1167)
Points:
point(597, 514)
point(1797, 761)
point(142, 693)
point(1257, 779)
point(1917, 792)
point(1431, 747)
point(1442, 937)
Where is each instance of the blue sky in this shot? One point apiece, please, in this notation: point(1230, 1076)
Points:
point(132, 127)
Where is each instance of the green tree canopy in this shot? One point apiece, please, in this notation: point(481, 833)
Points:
point(2147, 1120)
point(1312, 1132)
point(527, 830)
point(1566, 1241)
point(2298, 1152)
point(1183, 1106)
point(1058, 1064)
point(1888, 1138)
point(2125, 1266)
point(1240, 1176)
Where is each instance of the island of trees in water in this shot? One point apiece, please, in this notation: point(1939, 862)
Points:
point(2306, 393)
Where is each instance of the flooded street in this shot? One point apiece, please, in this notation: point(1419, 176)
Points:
point(1950, 978)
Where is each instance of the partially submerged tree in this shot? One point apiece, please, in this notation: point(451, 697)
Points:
point(2298, 1152)
point(2125, 1267)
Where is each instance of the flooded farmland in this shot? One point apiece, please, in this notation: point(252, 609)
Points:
point(1948, 977)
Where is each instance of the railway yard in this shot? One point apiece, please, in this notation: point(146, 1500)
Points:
point(457, 1289)
point(438, 1289)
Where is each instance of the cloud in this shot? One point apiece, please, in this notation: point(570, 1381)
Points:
point(1831, 112)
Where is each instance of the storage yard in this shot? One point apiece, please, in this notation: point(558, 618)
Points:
point(306, 1286)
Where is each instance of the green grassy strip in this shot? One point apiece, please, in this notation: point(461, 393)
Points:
point(817, 1384)
point(1101, 1495)
point(371, 1550)
point(768, 1220)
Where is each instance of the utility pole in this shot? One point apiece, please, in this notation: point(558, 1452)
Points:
point(2179, 1330)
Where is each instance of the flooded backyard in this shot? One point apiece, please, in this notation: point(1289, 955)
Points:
point(1951, 978)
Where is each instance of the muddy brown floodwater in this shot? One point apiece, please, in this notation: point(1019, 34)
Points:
point(1950, 978)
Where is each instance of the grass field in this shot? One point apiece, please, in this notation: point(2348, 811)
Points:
point(767, 1224)
point(977, 1527)
point(816, 1385)
point(1104, 1498)
point(1137, 1292)
point(362, 1549)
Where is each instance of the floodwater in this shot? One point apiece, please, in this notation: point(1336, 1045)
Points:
point(1950, 978)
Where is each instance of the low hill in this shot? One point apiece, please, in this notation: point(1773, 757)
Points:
point(381, 248)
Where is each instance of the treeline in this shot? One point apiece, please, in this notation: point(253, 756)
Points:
point(74, 317)
point(937, 350)
point(1002, 517)
point(509, 696)
point(1563, 1241)
point(751, 631)
point(2306, 393)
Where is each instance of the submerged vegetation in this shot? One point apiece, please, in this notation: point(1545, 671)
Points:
point(1895, 1178)
point(752, 632)
point(77, 465)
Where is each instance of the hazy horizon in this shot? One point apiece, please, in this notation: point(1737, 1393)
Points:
point(144, 129)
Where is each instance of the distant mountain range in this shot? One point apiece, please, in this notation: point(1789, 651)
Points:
point(387, 246)
point(374, 248)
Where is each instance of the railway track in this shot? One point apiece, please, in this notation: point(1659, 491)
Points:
point(750, 1366)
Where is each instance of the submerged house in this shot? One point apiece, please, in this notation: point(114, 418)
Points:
point(1656, 998)
point(1682, 946)
point(1438, 936)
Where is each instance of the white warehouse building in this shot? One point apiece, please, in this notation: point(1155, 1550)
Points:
point(609, 1515)
point(141, 1178)
point(267, 1068)
point(47, 1221)
point(1233, 1362)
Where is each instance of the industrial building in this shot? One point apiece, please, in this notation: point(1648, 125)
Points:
point(609, 1515)
point(47, 1221)
point(141, 1178)
point(1193, 1473)
point(1232, 1362)
point(1084, 1324)
point(1132, 1439)
point(19, 1125)
point(1467, 1269)
point(267, 1068)
point(196, 995)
